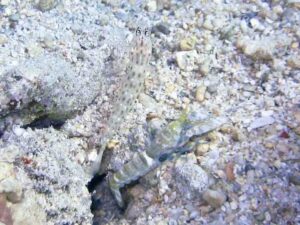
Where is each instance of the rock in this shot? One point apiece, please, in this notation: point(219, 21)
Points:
point(164, 4)
point(256, 24)
point(48, 42)
point(264, 48)
point(294, 62)
point(202, 149)
point(295, 179)
point(46, 5)
point(12, 189)
point(188, 43)
point(212, 88)
point(114, 3)
point(200, 93)
point(191, 179)
point(261, 122)
point(214, 198)
point(269, 144)
point(151, 6)
point(236, 134)
point(163, 28)
point(297, 130)
point(14, 18)
point(278, 9)
point(4, 2)
point(229, 170)
point(6, 170)
point(34, 50)
point(294, 3)
point(234, 205)
point(3, 39)
point(54, 91)
point(5, 212)
point(205, 68)
point(28, 211)
point(52, 176)
point(213, 23)
point(208, 23)
point(186, 60)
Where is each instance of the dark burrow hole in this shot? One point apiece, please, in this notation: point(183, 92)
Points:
point(45, 122)
point(96, 180)
point(104, 207)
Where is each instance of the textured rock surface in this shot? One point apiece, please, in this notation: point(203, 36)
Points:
point(49, 83)
point(191, 179)
point(46, 170)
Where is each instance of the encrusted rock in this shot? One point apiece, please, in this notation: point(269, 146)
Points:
point(295, 178)
point(54, 91)
point(263, 48)
point(28, 210)
point(202, 149)
point(46, 5)
point(191, 179)
point(3, 39)
point(214, 198)
point(294, 62)
point(5, 212)
point(12, 189)
point(151, 5)
point(188, 43)
point(186, 60)
point(294, 3)
point(200, 93)
point(261, 122)
point(46, 162)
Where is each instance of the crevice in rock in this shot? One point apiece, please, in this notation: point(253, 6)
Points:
point(97, 179)
point(103, 207)
point(45, 122)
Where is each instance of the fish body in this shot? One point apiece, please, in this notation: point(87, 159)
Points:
point(130, 86)
point(175, 139)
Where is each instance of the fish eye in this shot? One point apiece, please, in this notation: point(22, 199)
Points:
point(146, 32)
point(138, 31)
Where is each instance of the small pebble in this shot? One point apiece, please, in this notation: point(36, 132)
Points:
point(230, 172)
point(214, 198)
point(200, 93)
point(151, 6)
point(163, 28)
point(46, 5)
point(205, 68)
point(202, 149)
point(295, 179)
point(3, 39)
point(186, 60)
point(188, 44)
point(261, 122)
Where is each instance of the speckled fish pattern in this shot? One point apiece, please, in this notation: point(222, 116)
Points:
point(131, 85)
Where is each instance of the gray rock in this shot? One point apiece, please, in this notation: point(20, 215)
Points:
point(261, 122)
point(47, 166)
point(163, 28)
point(191, 179)
point(47, 85)
point(295, 179)
point(46, 5)
point(12, 188)
point(186, 60)
point(214, 198)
